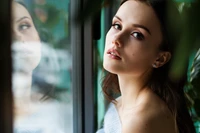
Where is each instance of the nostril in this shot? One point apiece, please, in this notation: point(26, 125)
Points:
point(116, 42)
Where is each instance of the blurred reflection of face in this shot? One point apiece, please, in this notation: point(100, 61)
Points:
point(26, 41)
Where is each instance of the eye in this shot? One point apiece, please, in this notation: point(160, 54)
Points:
point(24, 27)
point(116, 26)
point(138, 35)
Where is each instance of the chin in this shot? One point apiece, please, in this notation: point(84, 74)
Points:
point(25, 64)
point(110, 68)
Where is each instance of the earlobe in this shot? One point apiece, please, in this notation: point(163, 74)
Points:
point(162, 59)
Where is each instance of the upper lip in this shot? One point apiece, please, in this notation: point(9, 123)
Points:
point(113, 52)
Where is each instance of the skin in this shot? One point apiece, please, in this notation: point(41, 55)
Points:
point(23, 27)
point(26, 55)
point(130, 51)
point(26, 41)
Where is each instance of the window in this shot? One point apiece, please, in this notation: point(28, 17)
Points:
point(42, 67)
point(56, 67)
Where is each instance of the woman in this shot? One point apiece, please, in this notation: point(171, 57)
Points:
point(138, 51)
point(31, 115)
point(26, 53)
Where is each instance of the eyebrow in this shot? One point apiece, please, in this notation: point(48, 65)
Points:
point(22, 19)
point(137, 25)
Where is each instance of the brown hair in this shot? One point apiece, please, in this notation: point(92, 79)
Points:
point(170, 91)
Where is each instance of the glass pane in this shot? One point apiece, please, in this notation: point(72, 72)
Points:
point(42, 65)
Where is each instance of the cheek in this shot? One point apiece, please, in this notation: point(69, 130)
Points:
point(107, 46)
point(109, 35)
point(33, 36)
point(107, 42)
point(139, 53)
point(26, 55)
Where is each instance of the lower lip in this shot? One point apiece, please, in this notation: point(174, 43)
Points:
point(114, 57)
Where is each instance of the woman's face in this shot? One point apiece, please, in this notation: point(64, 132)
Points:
point(23, 27)
point(133, 40)
point(26, 42)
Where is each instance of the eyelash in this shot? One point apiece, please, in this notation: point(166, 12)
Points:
point(21, 26)
point(140, 35)
point(115, 24)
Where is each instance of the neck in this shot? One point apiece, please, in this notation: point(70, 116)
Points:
point(22, 92)
point(22, 84)
point(132, 90)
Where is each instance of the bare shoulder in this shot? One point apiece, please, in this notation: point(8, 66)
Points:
point(140, 123)
point(150, 118)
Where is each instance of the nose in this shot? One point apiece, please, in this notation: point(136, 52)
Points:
point(118, 39)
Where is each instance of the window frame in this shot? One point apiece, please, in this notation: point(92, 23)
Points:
point(82, 72)
point(6, 103)
point(82, 79)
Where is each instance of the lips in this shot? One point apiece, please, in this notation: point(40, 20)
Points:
point(114, 54)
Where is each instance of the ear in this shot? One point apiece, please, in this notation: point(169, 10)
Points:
point(162, 58)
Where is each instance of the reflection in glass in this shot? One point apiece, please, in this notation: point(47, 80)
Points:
point(42, 63)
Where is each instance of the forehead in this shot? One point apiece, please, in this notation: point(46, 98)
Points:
point(19, 10)
point(138, 12)
point(135, 12)
point(133, 9)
